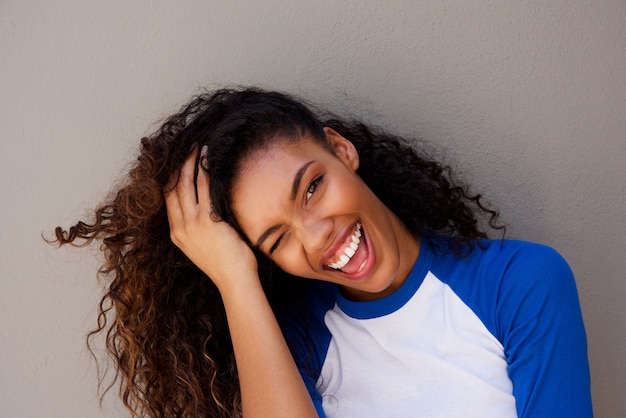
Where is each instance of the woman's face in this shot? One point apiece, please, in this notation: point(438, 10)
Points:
point(308, 210)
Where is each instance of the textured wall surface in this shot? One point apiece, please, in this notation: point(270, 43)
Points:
point(528, 98)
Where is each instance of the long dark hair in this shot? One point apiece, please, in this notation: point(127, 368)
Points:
point(163, 319)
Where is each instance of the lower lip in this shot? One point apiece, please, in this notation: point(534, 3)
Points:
point(368, 264)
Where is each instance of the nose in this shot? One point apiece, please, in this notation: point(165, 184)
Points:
point(314, 233)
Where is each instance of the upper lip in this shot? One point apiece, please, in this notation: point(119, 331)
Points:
point(339, 241)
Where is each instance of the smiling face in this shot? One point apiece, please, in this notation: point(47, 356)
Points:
point(308, 210)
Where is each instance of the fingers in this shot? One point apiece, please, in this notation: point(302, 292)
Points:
point(186, 188)
point(180, 194)
point(185, 200)
point(202, 182)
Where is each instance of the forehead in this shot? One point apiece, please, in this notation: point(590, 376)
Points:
point(275, 156)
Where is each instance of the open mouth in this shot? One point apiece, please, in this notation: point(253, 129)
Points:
point(351, 257)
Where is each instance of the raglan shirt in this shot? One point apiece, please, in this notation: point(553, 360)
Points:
point(498, 333)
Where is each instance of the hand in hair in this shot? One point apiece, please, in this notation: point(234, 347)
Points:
point(263, 359)
point(213, 246)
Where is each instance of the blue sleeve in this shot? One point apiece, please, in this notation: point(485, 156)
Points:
point(306, 362)
point(541, 328)
point(296, 336)
point(308, 338)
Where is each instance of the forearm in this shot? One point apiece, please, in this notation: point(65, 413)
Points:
point(270, 382)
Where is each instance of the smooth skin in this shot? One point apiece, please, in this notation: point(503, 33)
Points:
point(311, 219)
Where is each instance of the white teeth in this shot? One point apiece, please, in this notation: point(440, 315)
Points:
point(349, 251)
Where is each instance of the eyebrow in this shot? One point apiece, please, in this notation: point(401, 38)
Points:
point(297, 179)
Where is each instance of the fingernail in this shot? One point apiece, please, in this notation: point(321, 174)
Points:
point(204, 152)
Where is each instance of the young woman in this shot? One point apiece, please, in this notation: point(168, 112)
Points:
point(268, 261)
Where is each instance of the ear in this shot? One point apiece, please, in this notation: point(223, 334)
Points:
point(343, 149)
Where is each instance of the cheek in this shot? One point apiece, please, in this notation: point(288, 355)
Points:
point(351, 194)
point(293, 261)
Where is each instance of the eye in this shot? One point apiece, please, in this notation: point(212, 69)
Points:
point(312, 187)
point(276, 244)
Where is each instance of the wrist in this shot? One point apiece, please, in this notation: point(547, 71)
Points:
point(240, 288)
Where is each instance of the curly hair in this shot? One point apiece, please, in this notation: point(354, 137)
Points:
point(163, 319)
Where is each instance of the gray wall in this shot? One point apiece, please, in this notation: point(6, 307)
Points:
point(528, 97)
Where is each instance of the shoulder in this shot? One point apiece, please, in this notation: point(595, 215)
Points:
point(491, 262)
point(504, 280)
point(516, 252)
point(526, 267)
point(529, 254)
point(534, 293)
point(496, 261)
